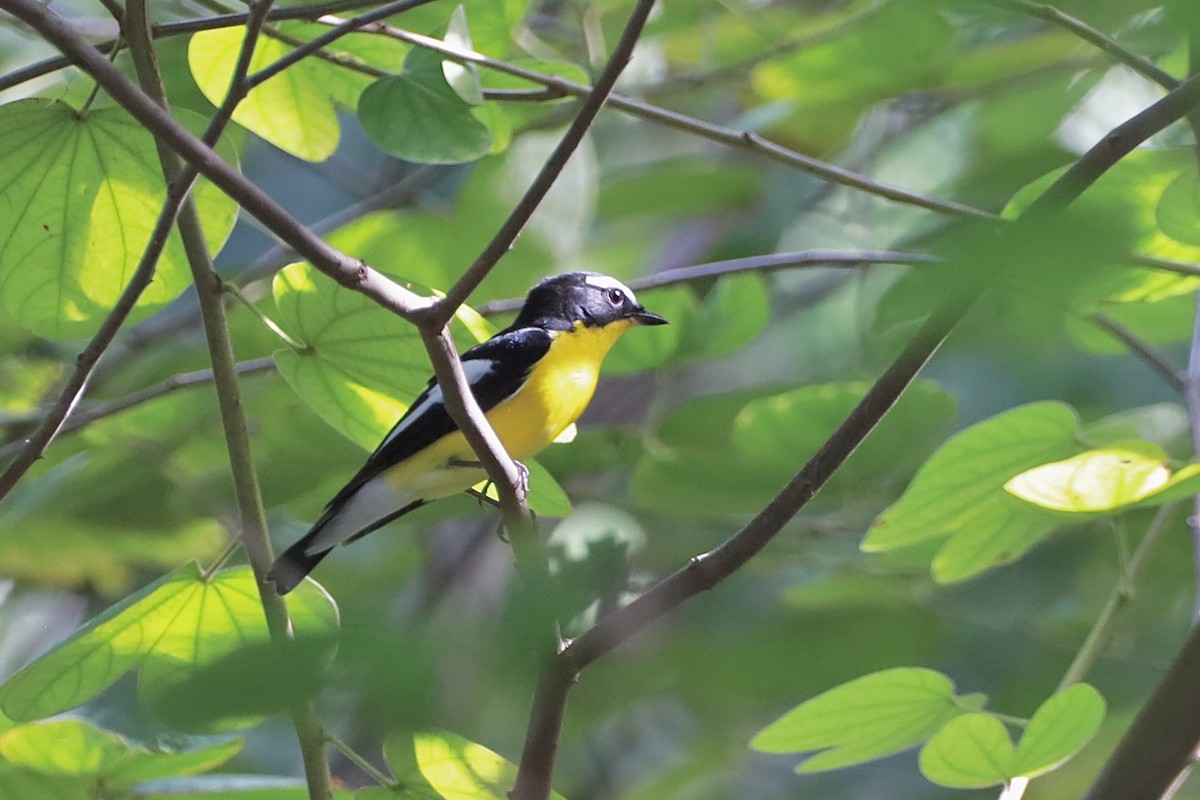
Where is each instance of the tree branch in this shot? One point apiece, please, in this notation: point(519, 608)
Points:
point(736, 266)
point(81, 417)
point(255, 539)
point(502, 242)
point(744, 140)
point(1140, 349)
point(347, 271)
point(183, 28)
point(1090, 35)
point(708, 569)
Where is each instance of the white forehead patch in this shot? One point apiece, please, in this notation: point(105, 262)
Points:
point(605, 282)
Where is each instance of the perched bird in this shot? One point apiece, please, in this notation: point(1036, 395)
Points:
point(533, 379)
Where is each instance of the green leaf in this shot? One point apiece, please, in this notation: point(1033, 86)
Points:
point(999, 530)
point(63, 747)
point(782, 431)
point(949, 492)
point(1059, 729)
point(735, 311)
point(970, 752)
point(1178, 210)
point(175, 628)
point(225, 618)
point(81, 197)
point(1095, 481)
point(419, 117)
point(868, 718)
point(462, 78)
point(363, 365)
point(75, 748)
point(458, 769)
point(974, 750)
point(104, 649)
point(150, 765)
point(27, 785)
point(294, 110)
point(683, 187)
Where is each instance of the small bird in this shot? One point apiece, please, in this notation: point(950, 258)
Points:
point(533, 379)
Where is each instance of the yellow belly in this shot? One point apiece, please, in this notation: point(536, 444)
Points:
point(555, 394)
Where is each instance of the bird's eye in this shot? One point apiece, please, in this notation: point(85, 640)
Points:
point(615, 297)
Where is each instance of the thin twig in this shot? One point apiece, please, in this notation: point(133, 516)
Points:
point(366, 766)
point(1101, 630)
point(252, 514)
point(346, 270)
point(1141, 349)
point(185, 28)
point(503, 240)
point(1168, 265)
point(1090, 35)
point(737, 266)
point(332, 35)
point(745, 140)
point(708, 569)
point(85, 416)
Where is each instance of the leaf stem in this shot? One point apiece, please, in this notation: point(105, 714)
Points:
point(354, 757)
point(1122, 592)
point(267, 322)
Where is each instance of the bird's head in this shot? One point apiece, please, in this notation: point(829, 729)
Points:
point(583, 298)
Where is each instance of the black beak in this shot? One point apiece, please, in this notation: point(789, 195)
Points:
point(644, 317)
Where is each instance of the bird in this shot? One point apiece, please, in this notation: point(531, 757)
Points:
point(532, 380)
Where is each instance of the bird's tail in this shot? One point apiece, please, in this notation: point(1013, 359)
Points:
point(299, 559)
point(336, 526)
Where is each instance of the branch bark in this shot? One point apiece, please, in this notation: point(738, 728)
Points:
point(220, 346)
point(348, 271)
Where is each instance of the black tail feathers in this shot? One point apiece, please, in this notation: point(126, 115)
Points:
point(291, 567)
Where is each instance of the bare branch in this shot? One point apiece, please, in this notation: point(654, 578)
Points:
point(1141, 349)
point(735, 266)
point(84, 416)
point(502, 242)
point(744, 140)
point(1090, 35)
point(184, 28)
point(347, 271)
point(255, 539)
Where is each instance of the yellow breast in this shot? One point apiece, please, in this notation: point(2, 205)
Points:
point(555, 394)
point(557, 391)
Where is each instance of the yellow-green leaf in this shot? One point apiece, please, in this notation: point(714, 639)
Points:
point(81, 194)
point(1095, 481)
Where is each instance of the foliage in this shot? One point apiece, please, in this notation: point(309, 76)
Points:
point(983, 527)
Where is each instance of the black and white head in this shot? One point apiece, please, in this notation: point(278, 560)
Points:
point(587, 298)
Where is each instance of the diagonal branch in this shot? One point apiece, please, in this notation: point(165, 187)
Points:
point(183, 28)
point(251, 511)
point(502, 242)
point(709, 569)
point(1090, 35)
point(744, 140)
point(348, 271)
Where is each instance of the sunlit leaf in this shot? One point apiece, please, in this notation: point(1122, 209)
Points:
point(947, 492)
point(82, 195)
point(868, 718)
point(101, 651)
point(1059, 729)
point(1098, 480)
point(226, 618)
point(294, 110)
point(174, 628)
point(970, 752)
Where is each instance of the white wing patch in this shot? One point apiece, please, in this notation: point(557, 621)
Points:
point(606, 282)
point(474, 369)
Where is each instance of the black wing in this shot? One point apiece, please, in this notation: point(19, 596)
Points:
point(495, 370)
